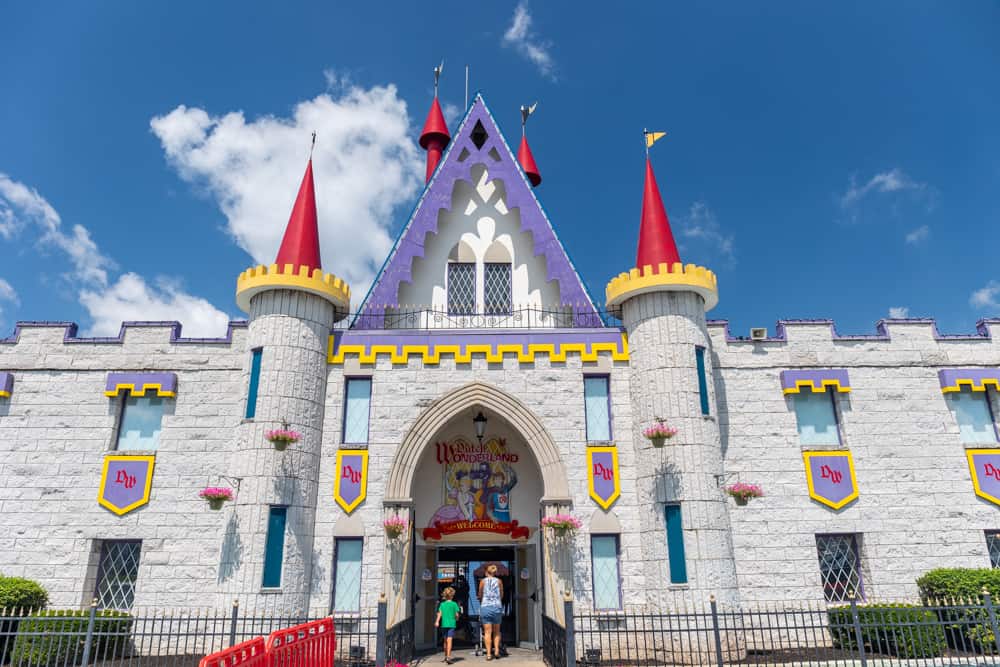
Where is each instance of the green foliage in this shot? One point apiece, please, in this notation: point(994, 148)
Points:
point(18, 593)
point(958, 583)
point(54, 637)
point(903, 630)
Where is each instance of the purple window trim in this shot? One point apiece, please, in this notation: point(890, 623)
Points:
point(6, 384)
point(882, 332)
point(166, 382)
point(856, 547)
point(618, 566)
point(71, 328)
point(611, 423)
point(950, 378)
point(337, 541)
point(423, 220)
point(816, 378)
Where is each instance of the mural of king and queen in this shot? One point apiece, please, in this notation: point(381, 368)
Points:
point(477, 480)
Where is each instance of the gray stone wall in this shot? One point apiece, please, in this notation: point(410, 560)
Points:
point(917, 509)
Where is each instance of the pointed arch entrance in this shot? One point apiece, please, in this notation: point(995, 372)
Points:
point(475, 502)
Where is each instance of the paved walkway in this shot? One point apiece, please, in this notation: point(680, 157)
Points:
point(518, 657)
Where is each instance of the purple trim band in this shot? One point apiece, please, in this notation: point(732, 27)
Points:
point(69, 336)
point(976, 379)
point(396, 342)
point(165, 384)
point(6, 384)
point(437, 197)
point(982, 330)
point(818, 380)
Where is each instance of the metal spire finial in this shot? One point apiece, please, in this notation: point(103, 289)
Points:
point(313, 144)
point(437, 76)
point(525, 112)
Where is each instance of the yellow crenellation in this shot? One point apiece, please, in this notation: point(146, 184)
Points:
point(674, 277)
point(258, 278)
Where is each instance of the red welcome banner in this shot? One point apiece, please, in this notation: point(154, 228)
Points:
point(512, 528)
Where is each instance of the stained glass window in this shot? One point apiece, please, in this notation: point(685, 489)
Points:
point(347, 575)
point(607, 585)
point(140, 423)
point(117, 572)
point(816, 417)
point(839, 566)
point(461, 288)
point(972, 412)
point(993, 544)
point(496, 288)
point(597, 407)
point(357, 405)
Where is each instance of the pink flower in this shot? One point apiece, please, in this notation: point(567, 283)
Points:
point(283, 435)
point(216, 492)
point(659, 430)
point(562, 522)
point(744, 490)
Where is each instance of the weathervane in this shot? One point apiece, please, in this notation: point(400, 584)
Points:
point(525, 112)
point(311, 147)
point(437, 76)
point(651, 138)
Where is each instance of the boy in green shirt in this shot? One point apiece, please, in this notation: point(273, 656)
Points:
point(447, 619)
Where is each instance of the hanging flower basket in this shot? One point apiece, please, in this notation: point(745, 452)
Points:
point(216, 496)
point(659, 433)
point(743, 492)
point(562, 525)
point(282, 437)
point(394, 527)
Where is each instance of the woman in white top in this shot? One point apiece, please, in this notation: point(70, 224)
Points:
point(491, 610)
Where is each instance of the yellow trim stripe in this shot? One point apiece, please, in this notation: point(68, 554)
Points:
point(431, 355)
point(141, 391)
point(971, 384)
point(4, 394)
point(801, 384)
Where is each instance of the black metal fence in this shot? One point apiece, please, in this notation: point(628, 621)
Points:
point(520, 317)
point(163, 638)
point(931, 633)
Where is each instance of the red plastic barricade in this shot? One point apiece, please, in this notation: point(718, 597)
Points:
point(250, 653)
point(308, 645)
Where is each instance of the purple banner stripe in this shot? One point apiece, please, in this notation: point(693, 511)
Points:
point(70, 330)
point(6, 383)
point(492, 337)
point(817, 379)
point(882, 332)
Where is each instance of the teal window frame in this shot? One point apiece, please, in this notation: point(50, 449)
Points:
point(274, 546)
point(699, 355)
point(255, 358)
point(598, 425)
point(675, 544)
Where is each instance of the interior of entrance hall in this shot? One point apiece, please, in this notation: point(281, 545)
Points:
point(477, 503)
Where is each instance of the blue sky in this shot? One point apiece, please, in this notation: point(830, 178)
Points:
point(834, 160)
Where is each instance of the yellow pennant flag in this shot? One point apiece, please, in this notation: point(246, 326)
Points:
point(653, 137)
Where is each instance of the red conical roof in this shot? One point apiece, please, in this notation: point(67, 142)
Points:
point(527, 161)
point(435, 127)
point(300, 246)
point(656, 241)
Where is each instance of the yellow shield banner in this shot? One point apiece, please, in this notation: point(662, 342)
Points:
point(351, 484)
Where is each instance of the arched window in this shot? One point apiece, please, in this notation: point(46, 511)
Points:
point(497, 280)
point(461, 280)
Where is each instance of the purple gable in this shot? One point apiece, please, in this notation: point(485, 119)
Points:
point(437, 196)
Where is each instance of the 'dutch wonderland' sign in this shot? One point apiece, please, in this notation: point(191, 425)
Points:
point(125, 482)
point(831, 479)
point(351, 484)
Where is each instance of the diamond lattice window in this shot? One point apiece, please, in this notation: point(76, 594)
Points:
point(347, 575)
point(839, 566)
point(604, 558)
point(993, 544)
point(116, 574)
point(461, 288)
point(496, 288)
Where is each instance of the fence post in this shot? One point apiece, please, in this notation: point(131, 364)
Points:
point(857, 629)
point(570, 630)
point(232, 622)
point(89, 641)
point(380, 637)
point(715, 630)
point(988, 601)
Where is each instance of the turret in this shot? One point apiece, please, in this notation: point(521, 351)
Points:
point(435, 136)
point(524, 156)
point(292, 304)
point(662, 304)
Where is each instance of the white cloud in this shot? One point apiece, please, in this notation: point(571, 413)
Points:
point(7, 293)
point(366, 165)
point(893, 180)
point(700, 223)
point(452, 113)
point(986, 297)
point(899, 313)
point(896, 186)
point(23, 211)
point(919, 234)
point(525, 41)
point(131, 298)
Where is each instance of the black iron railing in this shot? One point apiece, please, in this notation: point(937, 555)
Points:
point(521, 317)
point(553, 643)
point(399, 642)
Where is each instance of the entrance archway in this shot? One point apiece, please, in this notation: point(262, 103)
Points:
point(475, 502)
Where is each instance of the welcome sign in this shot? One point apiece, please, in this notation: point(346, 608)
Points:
point(984, 467)
point(125, 482)
point(351, 484)
point(831, 478)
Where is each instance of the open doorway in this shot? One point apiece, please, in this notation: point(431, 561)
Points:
point(463, 568)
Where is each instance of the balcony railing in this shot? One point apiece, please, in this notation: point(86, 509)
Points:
point(521, 317)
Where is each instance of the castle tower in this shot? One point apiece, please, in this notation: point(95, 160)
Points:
point(435, 136)
point(268, 545)
point(662, 304)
